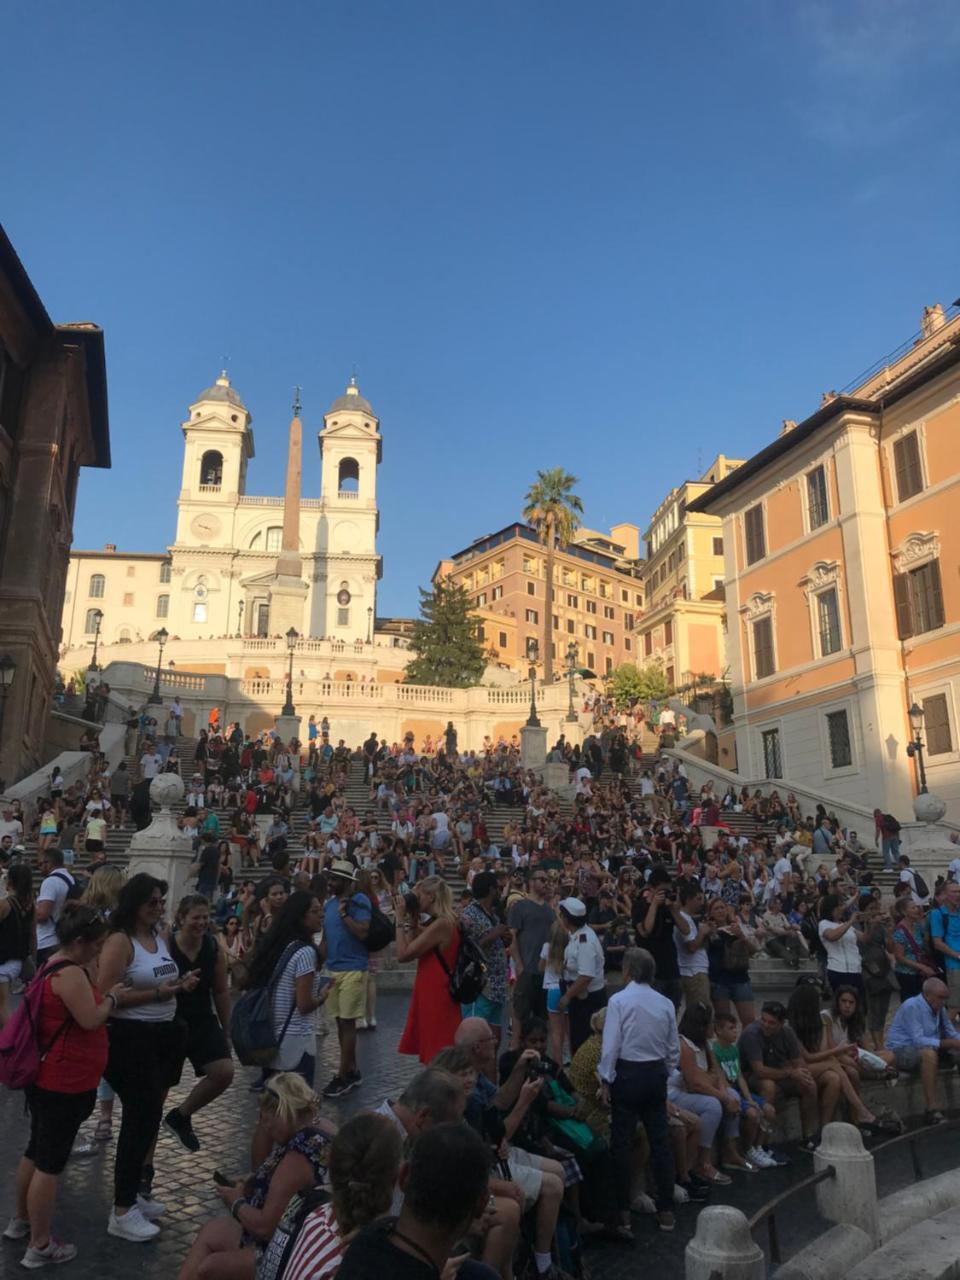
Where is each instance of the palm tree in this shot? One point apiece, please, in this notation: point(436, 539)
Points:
point(554, 510)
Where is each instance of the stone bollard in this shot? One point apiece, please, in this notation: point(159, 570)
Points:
point(723, 1248)
point(850, 1197)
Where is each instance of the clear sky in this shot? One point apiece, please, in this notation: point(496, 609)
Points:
point(614, 237)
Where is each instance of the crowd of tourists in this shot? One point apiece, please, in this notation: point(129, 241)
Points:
point(583, 1012)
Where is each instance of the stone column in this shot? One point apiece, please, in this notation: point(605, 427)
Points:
point(723, 1248)
point(849, 1197)
point(288, 727)
point(162, 850)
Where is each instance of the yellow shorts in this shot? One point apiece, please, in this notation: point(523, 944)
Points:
point(348, 994)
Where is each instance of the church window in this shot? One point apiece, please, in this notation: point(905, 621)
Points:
point(200, 611)
point(163, 606)
point(90, 622)
point(348, 476)
point(343, 617)
point(98, 585)
point(165, 571)
point(211, 468)
point(274, 537)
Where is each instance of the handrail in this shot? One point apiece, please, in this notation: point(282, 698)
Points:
point(769, 1210)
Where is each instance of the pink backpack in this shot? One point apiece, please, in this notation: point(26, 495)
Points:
point(20, 1049)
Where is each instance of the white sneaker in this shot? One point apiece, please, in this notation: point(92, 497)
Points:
point(680, 1195)
point(361, 1024)
point(759, 1159)
point(54, 1251)
point(132, 1226)
point(643, 1204)
point(151, 1209)
point(17, 1229)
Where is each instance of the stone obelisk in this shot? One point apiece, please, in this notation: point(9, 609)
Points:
point(288, 591)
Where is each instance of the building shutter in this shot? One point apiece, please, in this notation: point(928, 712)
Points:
point(763, 647)
point(906, 461)
point(901, 597)
point(936, 724)
point(753, 528)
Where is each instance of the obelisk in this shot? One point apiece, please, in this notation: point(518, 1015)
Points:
point(288, 591)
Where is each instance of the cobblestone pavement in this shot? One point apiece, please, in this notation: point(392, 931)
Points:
point(185, 1185)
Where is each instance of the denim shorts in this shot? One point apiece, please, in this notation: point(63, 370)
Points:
point(485, 1009)
point(553, 999)
point(738, 992)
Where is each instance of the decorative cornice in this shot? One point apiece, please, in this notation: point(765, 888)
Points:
point(916, 549)
point(757, 605)
point(825, 573)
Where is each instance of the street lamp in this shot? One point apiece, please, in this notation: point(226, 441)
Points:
point(241, 605)
point(571, 672)
point(155, 700)
point(533, 653)
point(288, 707)
point(98, 620)
point(915, 748)
point(7, 670)
point(370, 625)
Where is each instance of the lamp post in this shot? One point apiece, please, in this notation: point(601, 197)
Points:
point(916, 746)
point(288, 707)
point(241, 605)
point(370, 625)
point(98, 619)
point(155, 700)
point(571, 671)
point(533, 652)
point(7, 671)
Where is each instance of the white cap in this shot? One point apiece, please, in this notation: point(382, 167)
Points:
point(574, 907)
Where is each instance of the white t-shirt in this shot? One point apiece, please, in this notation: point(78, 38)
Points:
point(584, 958)
point(907, 877)
point(54, 889)
point(690, 963)
point(843, 954)
point(551, 977)
point(953, 871)
point(781, 868)
point(12, 828)
point(150, 765)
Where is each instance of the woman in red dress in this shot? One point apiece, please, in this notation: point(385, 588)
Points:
point(433, 1016)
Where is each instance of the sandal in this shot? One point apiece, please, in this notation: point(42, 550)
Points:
point(104, 1131)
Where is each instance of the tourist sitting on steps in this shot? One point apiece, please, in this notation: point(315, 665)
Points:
point(920, 1035)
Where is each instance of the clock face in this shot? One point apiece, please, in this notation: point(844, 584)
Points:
point(205, 526)
point(343, 596)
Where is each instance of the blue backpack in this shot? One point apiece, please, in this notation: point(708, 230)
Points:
point(252, 1028)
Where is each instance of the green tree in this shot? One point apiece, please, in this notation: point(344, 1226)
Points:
point(446, 640)
point(630, 684)
point(554, 510)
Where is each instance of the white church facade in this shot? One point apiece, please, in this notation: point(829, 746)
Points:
point(219, 578)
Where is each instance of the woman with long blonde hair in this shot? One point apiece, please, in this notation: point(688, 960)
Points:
point(103, 890)
point(551, 966)
point(427, 931)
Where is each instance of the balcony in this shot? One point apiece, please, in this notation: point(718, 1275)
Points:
point(348, 495)
point(210, 488)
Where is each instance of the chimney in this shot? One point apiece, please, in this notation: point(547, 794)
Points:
point(932, 320)
point(111, 547)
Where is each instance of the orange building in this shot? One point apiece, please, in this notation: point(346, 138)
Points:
point(598, 595)
point(684, 618)
point(842, 546)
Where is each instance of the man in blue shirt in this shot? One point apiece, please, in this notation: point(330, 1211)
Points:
point(346, 923)
point(919, 1033)
point(945, 936)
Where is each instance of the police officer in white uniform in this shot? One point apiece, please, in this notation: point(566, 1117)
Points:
point(584, 985)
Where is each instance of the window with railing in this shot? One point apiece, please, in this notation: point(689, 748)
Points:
point(828, 622)
point(818, 511)
point(838, 734)
point(772, 757)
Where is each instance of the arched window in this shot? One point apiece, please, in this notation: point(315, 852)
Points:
point(90, 622)
point(348, 476)
point(165, 571)
point(97, 584)
point(273, 541)
point(163, 606)
point(211, 468)
point(124, 636)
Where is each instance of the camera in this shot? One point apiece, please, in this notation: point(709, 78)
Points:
point(536, 1068)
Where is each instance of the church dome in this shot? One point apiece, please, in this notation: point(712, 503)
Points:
point(352, 401)
point(222, 391)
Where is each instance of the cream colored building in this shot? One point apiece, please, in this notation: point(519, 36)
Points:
point(841, 543)
point(217, 577)
point(683, 622)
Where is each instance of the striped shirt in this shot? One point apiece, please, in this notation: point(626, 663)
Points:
point(317, 1250)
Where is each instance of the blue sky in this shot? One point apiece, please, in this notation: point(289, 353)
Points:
point(614, 237)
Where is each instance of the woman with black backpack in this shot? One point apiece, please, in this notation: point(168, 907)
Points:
point(286, 958)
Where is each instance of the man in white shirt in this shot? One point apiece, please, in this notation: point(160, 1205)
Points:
point(640, 1049)
point(11, 826)
point(783, 875)
point(690, 939)
point(909, 876)
point(586, 989)
point(56, 885)
point(151, 763)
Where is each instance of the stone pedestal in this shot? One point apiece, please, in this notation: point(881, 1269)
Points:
point(533, 746)
point(850, 1197)
point(162, 850)
point(557, 778)
point(723, 1248)
point(287, 598)
point(929, 847)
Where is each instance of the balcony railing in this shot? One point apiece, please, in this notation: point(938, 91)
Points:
point(349, 495)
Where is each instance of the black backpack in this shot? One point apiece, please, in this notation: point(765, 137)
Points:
point(74, 888)
point(920, 884)
point(468, 976)
point(382, 930)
